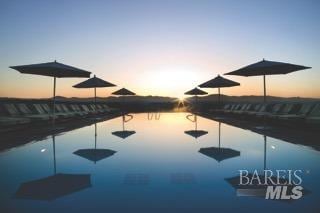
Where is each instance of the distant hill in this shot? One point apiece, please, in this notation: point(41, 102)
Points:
point(161, 99)
point(146, 99)
point(250, 98)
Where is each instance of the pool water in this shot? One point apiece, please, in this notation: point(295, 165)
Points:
point(150, 163)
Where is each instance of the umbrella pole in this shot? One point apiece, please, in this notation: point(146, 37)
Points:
point(54, 154)
point(196, 122)
point(265, 153)
point(264, 89)
point(196, 103)
point(54, 101)
point(95, 100)
point(219, 133)
point(95, 136)
point(219, 97)
point(123, 118)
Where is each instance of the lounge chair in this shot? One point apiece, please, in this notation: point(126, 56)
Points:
point(241, 109)
point(269, 110)
point(301, 113)
point(76, 109)
point(60, 112)
point(247, 109)
point(107, 109)
point(314, 116)
point(86, 109)
point(287, 109)
point(255, 109)
point(26, 112)
point(233, 107)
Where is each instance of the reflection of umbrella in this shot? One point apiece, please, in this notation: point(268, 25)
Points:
point(95, 154)
point(267, 68)
point(94, 83)
point(195, 133)
point(219, 82)
point(55, 70)
point(124, 133)
point(219, 153)
point(196, 92)
point(123, 92)
point(55, 186)
point(255, 188)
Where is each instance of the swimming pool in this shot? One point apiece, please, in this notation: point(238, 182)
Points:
point(151, 162)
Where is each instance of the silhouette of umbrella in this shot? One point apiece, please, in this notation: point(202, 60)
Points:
point(123, 92)
point(55, 70)
point(95, 154)
point(219, 153)
point(195, 133)
point(124, 133)
point(94, 83)
point(264, 68)
point(219, 82)
point(55, 186)
point(196, 92)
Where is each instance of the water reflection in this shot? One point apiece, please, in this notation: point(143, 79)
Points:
point(219, 153)
point(154, 115)
point(55, 186)
point(159, 172)
point(124, 133)
point(95, 154)
point(194, 133)
point(259, 189)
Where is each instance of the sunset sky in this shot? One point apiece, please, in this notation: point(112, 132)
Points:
point(159, 47)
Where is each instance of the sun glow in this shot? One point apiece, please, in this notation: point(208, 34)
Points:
point(171, 81)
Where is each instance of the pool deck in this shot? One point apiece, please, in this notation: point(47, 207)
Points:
point(307, 136)
point(22, 136)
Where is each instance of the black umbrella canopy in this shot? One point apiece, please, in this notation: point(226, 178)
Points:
point(219, 154)
point(196, 133)
point(94, 154)
point(123, 91)
point(93, 83)
point(265, 67)
point(53, 69)
point(123, 134)
point(53, 187)
point(219, 82)
point(196, 91)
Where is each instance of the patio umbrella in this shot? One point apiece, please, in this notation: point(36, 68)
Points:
point(55, 70)
point(55, 186)
point(219, 153)
point(219, 82)
point(123, 92)
point(264, 68)
point(195, 133)
point(196, 92)
point(94, 83)
point(124, 133)
point(95, 154)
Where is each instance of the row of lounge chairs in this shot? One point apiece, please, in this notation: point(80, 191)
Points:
point(23, 113)
point(308, 112)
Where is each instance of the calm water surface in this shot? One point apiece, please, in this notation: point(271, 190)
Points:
point(151, 163)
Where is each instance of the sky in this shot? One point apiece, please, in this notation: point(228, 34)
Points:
point(159, 47)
